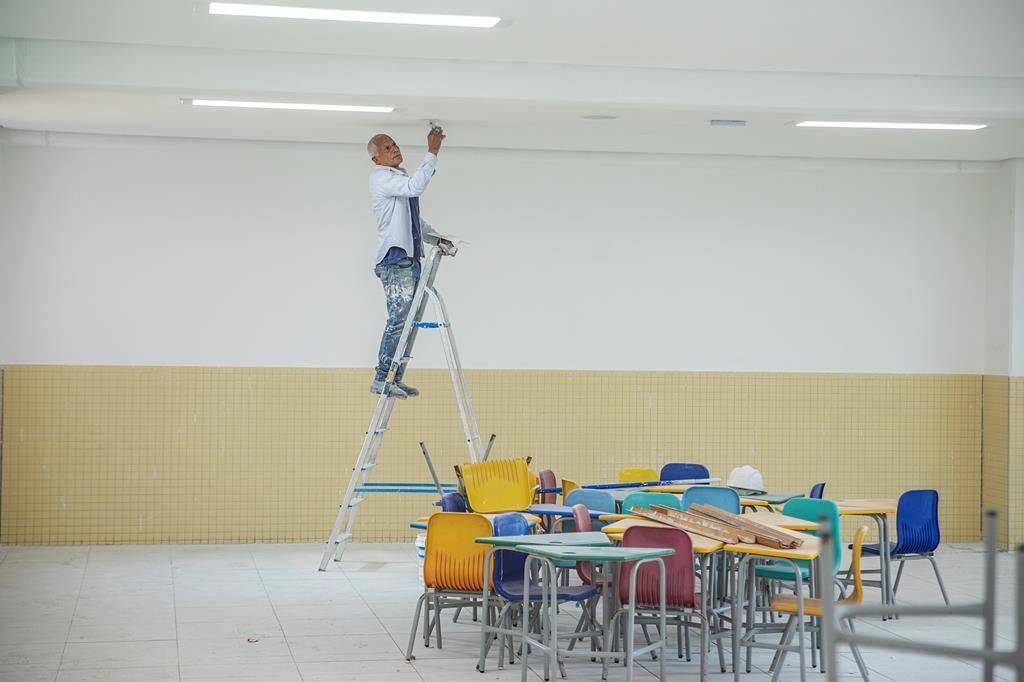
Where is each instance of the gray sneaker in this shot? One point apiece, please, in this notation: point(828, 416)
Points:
point(394, 391)
point(409, 390)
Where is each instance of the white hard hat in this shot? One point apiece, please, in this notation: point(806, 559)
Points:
point(746, 478)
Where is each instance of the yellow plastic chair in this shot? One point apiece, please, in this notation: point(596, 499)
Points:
point(638, 475)
point(567, 487)
point(453, 569)
point(787, 603)
point(500, 485)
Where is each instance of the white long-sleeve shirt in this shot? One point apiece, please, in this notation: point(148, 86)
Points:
point(390, 189)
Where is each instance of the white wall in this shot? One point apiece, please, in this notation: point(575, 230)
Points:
point(118, 250)
point(999, 271)
point(1017, 288)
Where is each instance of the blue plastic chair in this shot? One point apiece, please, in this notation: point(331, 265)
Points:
point(645, 500)
point(917, 533)
point(508, 566)
point(817, 491)
point(809, 510)
point(678, 471)
point(454, 502)
point(594, 500)
point(717, 496)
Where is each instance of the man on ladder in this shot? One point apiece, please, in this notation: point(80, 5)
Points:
point(401, 232)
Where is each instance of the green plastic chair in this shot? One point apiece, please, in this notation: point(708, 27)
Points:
point(645, 500)
point(810, 510)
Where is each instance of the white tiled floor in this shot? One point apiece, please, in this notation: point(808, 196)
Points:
point(263, 613)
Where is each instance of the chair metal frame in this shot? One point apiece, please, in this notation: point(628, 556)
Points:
point(988, 654)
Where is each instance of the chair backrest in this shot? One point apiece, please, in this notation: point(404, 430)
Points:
point(581, 518)
point(637, 475)
point(717, 496)
point(812, 510)
point(677, 471)
point(817, 491)
point(498, 485)
point(917, 522)
point(598, 500)
point(453, 502)
point(857, 596)
point(452, 560)
point(567, 487)
point(680, 579)
point(508, 563)
point(547, 479)
point(645, 500)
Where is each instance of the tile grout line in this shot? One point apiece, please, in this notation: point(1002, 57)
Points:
point(401, 651)
point(273, 608)
point(78, 598)
point(174, 608)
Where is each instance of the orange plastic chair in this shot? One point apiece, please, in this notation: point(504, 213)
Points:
point(499, 485)
point(638, 475)
point(453, 569)
point(787, 603)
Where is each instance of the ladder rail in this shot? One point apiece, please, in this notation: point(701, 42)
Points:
point(459, 384)
point(374, 436)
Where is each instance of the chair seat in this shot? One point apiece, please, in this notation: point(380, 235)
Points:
point(775, 572)
point(786, 603)
point(894, 551)
point(513, 591)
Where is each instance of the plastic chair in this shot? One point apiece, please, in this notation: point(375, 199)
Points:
point(567, 487)
point(645, 500)
point(498, 485)
point(508, 580)
point(809, 510)
point(678, 471)
point(787, 603)
point(453, 502)
point(452, 569)
point(546, 479)
point(637, 475)
point(595, 500)
point(917, 534)
point(717, 496)
point(817, 491)
point(682, 600)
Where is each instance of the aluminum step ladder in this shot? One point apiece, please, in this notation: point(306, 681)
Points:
point(349, 508)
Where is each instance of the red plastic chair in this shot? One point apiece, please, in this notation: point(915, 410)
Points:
point(681, 596)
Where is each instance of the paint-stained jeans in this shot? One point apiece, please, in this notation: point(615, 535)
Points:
point(399, 280)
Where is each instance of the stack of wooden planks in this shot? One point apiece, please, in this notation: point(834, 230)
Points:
point(721, 525)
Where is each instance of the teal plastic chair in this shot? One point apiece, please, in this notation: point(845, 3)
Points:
point(809, 510)
point(726, 499)
point(645, 500)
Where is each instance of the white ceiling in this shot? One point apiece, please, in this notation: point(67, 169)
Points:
point(662, 67)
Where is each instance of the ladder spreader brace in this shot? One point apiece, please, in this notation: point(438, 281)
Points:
point(374, 435)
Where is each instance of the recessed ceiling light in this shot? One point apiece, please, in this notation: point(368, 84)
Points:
point(284, 12)
point(287, 105)
point(891, 126)
point(600, 117)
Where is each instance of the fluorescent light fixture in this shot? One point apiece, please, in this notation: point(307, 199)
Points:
point(238, 9)
point(891, 126)
point(288, 105)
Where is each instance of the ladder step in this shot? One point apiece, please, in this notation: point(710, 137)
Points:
point(365, 467)
point(356, 501)
point(342, 538)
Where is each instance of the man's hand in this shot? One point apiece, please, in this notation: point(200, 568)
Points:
point(434, 138)
point(447, 248)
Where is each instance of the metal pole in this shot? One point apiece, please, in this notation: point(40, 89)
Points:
point(430, 465)
point(828, 619)
point(989, 602)
point(490, 444)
